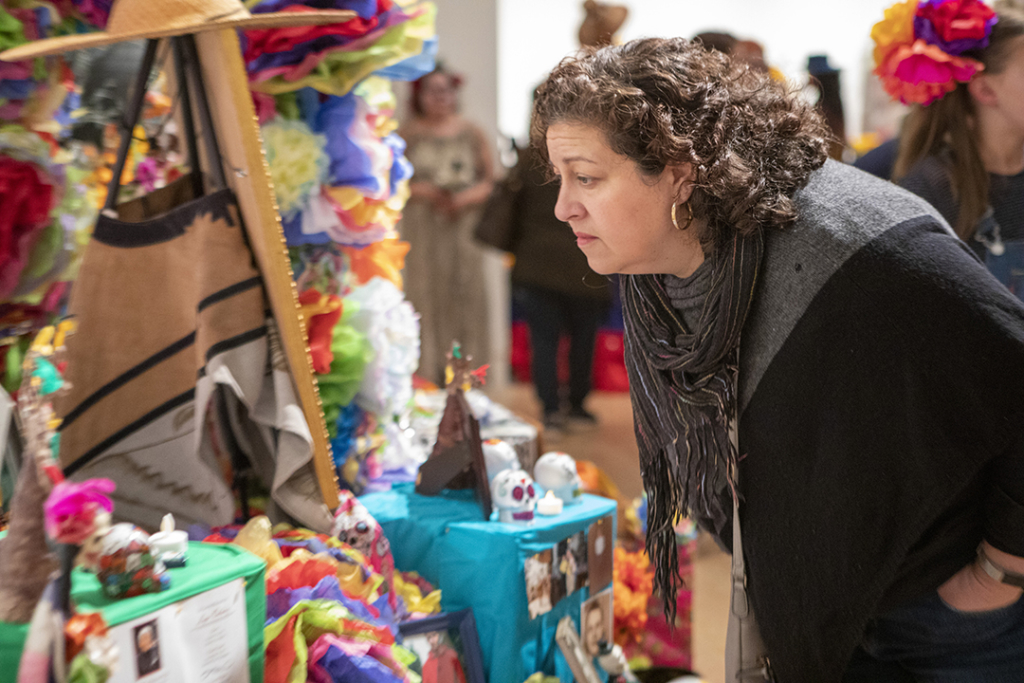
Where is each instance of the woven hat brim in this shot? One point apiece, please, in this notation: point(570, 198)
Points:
point(81, 41)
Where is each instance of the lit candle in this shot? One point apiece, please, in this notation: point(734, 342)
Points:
point(550, 505)
point(168, 544)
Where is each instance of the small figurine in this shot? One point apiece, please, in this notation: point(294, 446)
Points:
point(92, 547)
point(457, 459)
point(499, 455)
point(514, 495)
point(353, 524)
point(556, 471)
point(127, 567)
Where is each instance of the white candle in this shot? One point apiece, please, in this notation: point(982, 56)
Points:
point(550, 505)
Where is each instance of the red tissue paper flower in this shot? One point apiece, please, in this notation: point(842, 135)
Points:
point(958, 19)
point(27, 196)
point(322, 313)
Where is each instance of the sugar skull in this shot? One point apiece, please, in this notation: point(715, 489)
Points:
point(354, 525)
point(499, 455)
point(556, 471)
point(514, 495)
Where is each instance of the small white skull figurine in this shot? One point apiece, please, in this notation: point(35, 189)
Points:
point(513, 494)
point(499, 456)
point(556, 471)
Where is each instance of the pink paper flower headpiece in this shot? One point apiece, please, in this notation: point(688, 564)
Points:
point(920, 47)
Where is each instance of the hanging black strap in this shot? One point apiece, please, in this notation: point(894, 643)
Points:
point(209, 136)
point(185, 100)
point(190, 82)
point(131, 116)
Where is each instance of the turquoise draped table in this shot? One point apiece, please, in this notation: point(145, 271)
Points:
point(479, 564)
point(209, 566)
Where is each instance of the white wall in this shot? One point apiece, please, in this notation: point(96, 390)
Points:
point(535, 34)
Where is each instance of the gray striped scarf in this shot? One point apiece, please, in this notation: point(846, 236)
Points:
point(682, 384)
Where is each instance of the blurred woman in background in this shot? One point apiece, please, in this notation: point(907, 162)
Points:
point(964, 150)
point(453, 176)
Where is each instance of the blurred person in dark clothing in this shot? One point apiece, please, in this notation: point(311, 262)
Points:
point(556, 291)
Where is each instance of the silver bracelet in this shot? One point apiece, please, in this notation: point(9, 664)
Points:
point(999, 573)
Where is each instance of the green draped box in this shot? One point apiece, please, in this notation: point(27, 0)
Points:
point(209, 566)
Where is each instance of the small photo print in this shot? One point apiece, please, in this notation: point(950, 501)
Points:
point(569, 566)
point(596, 622)
point(599, 554)
point(440, 654)
point(538, 583)
point(147, 648)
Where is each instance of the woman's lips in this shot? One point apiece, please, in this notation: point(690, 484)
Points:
point(583, 239)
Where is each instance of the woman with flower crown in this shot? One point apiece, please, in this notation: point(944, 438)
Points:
point(818, 368)
point(960, 65)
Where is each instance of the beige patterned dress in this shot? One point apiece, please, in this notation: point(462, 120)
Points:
point(444, 269)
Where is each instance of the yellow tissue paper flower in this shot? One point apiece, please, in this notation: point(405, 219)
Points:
point(896, 29)
point(297, 161)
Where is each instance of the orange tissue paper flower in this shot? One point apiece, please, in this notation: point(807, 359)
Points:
point(632, 586)
point(384, 259)
point(78, 628)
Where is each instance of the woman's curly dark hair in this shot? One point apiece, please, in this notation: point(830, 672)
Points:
point(751, 141)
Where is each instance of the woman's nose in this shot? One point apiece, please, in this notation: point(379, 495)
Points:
point(565, 208)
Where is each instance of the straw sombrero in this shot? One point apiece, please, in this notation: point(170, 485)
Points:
point(137, 19)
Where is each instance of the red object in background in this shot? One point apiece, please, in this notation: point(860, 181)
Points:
point(610, 362)
point(609, 370)
point(520, 351)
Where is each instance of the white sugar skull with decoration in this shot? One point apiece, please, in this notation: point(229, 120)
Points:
point(354, 525)
point(556, 471)
point(499, 456)
point(514, 495)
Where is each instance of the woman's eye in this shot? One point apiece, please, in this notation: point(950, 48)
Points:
point(584, 180)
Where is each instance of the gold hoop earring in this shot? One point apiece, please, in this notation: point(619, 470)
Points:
point(689, 219)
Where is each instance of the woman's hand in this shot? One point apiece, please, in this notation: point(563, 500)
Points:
point(972, 590)
point(472, 196)
point(428, 192)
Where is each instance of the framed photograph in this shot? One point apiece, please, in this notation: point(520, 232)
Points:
point(599, 554)
point(446, 646)
point(538, 583)
point(569, 566)
point(147, 648)
point(581, 665)
point(596, 622)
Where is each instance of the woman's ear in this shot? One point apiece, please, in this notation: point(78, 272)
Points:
point(981, 90)
point(681, 176)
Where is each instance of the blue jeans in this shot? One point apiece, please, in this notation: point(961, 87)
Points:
point(927, 641)
point(548, 314)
